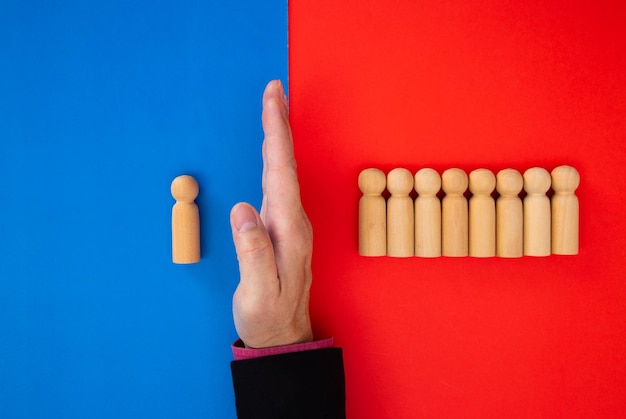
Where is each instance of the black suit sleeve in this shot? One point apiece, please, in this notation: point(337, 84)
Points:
point(302, 385)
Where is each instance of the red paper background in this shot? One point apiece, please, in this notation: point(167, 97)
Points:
point(466, 84)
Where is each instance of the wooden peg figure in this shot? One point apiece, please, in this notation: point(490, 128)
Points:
point(372, 213)
point(454, 214)
point(400, 223)
point(565, 180)
point(537, 230)
point(185, 221)
point(482, 214)
point(509, 214)
point(427, 214)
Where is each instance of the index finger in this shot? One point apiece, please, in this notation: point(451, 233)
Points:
point(281, 190)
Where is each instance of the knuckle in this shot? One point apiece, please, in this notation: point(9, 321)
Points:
point(253, 247)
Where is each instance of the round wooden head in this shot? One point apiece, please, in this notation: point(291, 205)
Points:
point(184, 188)
point(537, 180)
point(482, 182)
point(400, 182)
point(372, 181)
point(565, 179)
point(427, 182)
point(509, 182)
point(454, 181)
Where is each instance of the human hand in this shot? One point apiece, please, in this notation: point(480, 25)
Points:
point(274, 248)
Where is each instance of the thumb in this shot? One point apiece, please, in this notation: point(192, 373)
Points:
point(257, 265)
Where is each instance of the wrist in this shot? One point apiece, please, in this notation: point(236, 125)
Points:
point(272, 336)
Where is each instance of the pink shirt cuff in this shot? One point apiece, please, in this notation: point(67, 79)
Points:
point(240, 352)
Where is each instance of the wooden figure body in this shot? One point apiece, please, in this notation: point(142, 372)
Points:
point(400, 223)
point(509, 214)
point(565, 180)
point(537, 215)
point(427, 214)
point(482, 214)
point(372, 213)
point(454, 214)
point(185, 221)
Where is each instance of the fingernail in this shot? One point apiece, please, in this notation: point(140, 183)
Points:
point(244, 218)
point(283, 95)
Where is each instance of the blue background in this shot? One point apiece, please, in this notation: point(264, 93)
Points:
point(102, 104)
